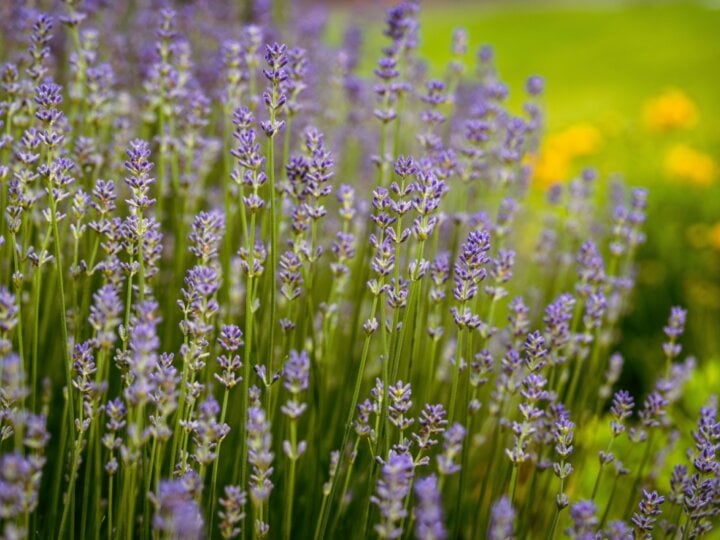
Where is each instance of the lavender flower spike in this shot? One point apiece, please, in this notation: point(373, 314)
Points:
point(502, 520)
point(392, 489)
point(428, 512)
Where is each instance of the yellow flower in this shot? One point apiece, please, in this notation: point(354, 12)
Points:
point(578, 140)
point(689, 165)
point(714, 236)
point(561, 148)
point(552, 167)
point(672, 109)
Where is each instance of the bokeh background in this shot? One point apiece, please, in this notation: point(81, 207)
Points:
point(633, 89)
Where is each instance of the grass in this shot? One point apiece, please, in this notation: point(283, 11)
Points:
point(600, 61)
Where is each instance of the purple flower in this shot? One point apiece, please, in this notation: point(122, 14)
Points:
point(502, 520)
point(400, 404)
point(20, 479)
point(469, 268)
point(139, 181)
point(674, 330)
point(206, 235)
point(618, 530)
point(143, 357)
point(707, 441)
point(208, 433)
point(428, 512)
point(518, 317)
point(621, 409)
point(105, 315)
point(591, 269)
point(557, 320)
point(8, 318)
point(653, 410)
point(392, 488)
point(584, 521)
point(452, 449)
point(535, 351)
point(297, 380)
point(39, 50)
point(535, 85)
point(233, 511)
point(649, 509)
point(432, 422)
point(177, 513)
point(260, 455)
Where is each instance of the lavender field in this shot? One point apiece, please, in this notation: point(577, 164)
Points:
point(251, 288)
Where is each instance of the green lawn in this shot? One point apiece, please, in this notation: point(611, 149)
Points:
point(600, 61)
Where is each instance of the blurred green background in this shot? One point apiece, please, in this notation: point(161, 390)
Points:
point(633, 88)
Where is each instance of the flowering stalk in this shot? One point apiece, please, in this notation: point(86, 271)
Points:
point(275, 99)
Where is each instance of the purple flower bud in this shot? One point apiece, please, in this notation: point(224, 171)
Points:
point(432, 422)
point(428, 512)
point(649, 509)
point(297, 372)
point(621, 409)
point(584, 521)
point(535, 85)
point(653, 410)
point(206, 235)
point(393, 487)
point(502, 520)
point(674, 330)
point(233, 511)
point(452, 449)
point(260, 455)
point(177, 513)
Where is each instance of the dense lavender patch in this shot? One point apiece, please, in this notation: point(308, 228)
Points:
point(246, 291)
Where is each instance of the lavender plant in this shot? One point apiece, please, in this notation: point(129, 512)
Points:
point(248, 291)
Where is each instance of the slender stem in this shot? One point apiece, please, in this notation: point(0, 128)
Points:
point(456, 372)
point(213, 482)
point(110, 503)
point(71, 482)
point(18, 294)
point(556, 517)
point(640, 473)
point(274, 230)
point(60, 466)
point(346, 486)
point(249, 322)
point(513, 483)
point(63, 313)
point(320, 533)
point(290, 489)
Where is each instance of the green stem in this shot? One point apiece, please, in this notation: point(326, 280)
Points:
point(556, 517)
point(320, 532)
point(71, 482)
point(456, 372)
point(249, 322)
point(213, 482)
point(63, 313)
point(290, 490)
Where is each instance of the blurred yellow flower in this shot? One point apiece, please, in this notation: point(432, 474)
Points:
point(578, 140)
point(689, 165)
point(561, 148)
point(714, 236)
point(552, 167)
point(672, 109)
